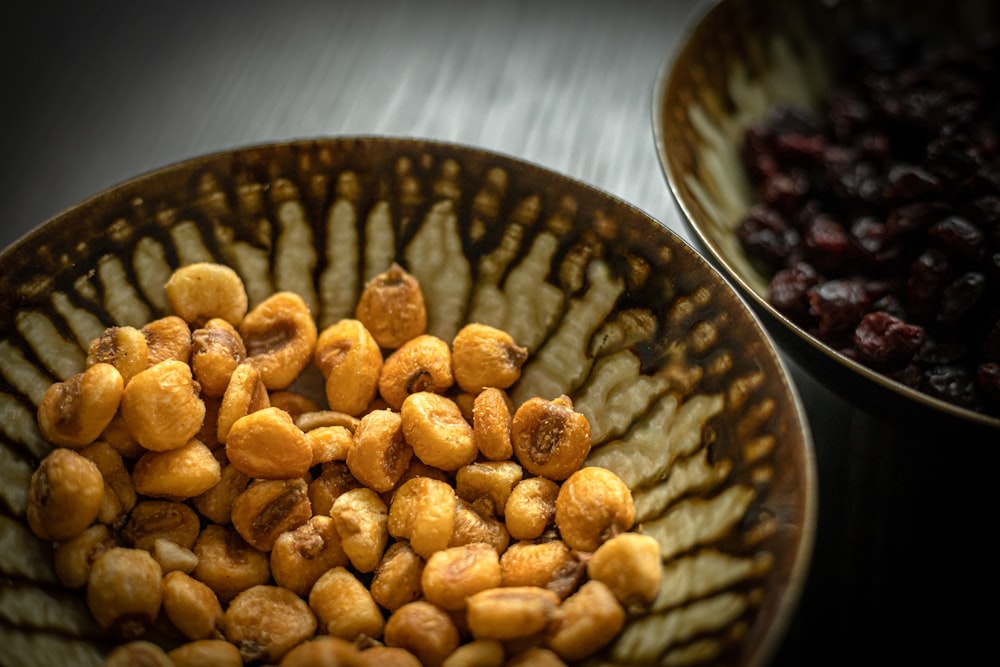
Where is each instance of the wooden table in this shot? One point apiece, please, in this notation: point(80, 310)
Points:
point(904, 567)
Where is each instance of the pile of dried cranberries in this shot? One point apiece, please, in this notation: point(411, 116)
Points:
point(877, 216)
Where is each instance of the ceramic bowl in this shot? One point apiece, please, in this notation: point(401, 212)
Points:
point(737, 60)
point(686, 395)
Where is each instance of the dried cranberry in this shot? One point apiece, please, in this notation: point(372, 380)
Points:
point(826, 242)
point(928, 276)
point(910, 217)
point(884, 341)
point(959, 235)
point(961, 295)
point(838, 305)
point(784, 191)
point(789, 290)
point(766, 236)
point(953, 384)
point(908, 182)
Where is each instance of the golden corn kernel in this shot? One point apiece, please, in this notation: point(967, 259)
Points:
point(388, 656)
point(514, 612)
point(344, 607)
point(302, 555)
point(484, 356)
point(379, 453)
point(551, 565)
point(423, 512)
point(216, 351)
point(477, 653)
point(125, 348)
point(487, 485)
point(435, 429)
point(244, 395)
point(351, 361)
point(491, 421)
point(323, 651)
point(392, 308)
point(421, 364)
point(270, 507)
point(397, 577)
point(334, 479)
point(586, 622)
point(550, 438)
point(631, 567)
point(180, 473)
point(452, 575)
point(531, 507)
point(362, 521)
point(167, 338)
point(138, 652)
point(119, 491)
point(227, 564)
point(593, 506)
point(64, 495)
point(124, 591)
point(268, 445)
point(205, 653)
point(202, 291)
point(329, 443)
point(73, 413)
point(161, 406)
point(280, 338)
point(423, 629)
point(191, 606)
point(265, 622)
point(471, 526)
point(151, 520)
point(74, 556)
point(293, 402)
point(535, 656)
point(216, 504)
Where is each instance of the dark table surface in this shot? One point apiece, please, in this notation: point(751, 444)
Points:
point(904, 568)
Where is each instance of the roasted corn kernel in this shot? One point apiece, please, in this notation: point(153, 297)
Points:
point(64, 495)
point(119, 491)
point(124, 591)
point(180, 473)
point(550, 438)
point(421, 364)
point(125, 348)
point(206, 653)
point(167, 338)
point(551, 565)
point(280, 338)
point(593, 506)
point(161, 406)
point(350, 360)
point(302, 555)
point(344, 607)
point(265, 622)
point(216, 504)
point(227, 563)
point(202, 291)
point(397, 576)
point(216, 351)
point(388, 656)
point(477, 653)
point(586, 622)
point(452, 575)
point(471, 526)
point(334, 479)
point(484, 356)
point(329, 443)
point(531, 507)
point(423, 629)
point(268, 508)
point(191, 606)
point(151, 520)
point(323, 651)
point(138, 652)
point(244, 395)
point(379, 453)
point(73, 413)
point(392, 308)
point(362, 521)
point(436, 430)
point(423, 512)
point(491, 424)
point(74, 557)
point(631, 567)
point(268, 445)
point(507, 613)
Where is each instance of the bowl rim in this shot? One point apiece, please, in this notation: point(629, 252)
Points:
point(663, 85)
point(790, 589)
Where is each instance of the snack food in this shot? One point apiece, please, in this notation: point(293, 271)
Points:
point(277, 527)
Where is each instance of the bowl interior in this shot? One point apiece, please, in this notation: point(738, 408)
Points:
point(686, 395)
point(737, 60)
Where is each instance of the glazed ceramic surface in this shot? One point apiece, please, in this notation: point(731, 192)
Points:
point(687, 398)
point(737, 60)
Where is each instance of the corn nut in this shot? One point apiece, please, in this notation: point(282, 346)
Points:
point(423, 629)
point(124, 591)
point(265, 622)
point(421, 364)
point(151, 520)
point(434, 427)
point(397, 578)
point(244, 395)
point(531, 507)
point(379, 454)
point(484, 356)
point(227, 563)
point(350, 360)
point(550, 438)
point(268, 508)
point(64, 495)
point(362, 521)
point(280, 338)
point(161, 406)
point(423, 512)
point(392, 308)
point(73, 413)
point(593, 506)
point(180, 473)
point(302, 555)
point(205, 653)
point(514, 612)
point(216, 351)
point(586, 622)
point(491, 424)
point(344, 607)
point(631, 567)
point(125, 348)
point(191, 606)
point(450, 576)
point(73, 557)
point(167, 338)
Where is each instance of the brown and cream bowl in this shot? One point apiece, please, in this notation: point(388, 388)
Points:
point(237, 397)
point(838, 162)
